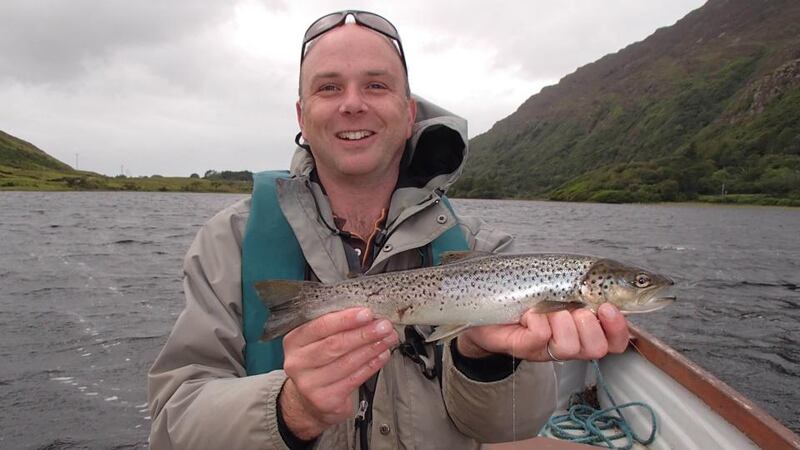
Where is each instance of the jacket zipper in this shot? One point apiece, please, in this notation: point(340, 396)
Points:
point(361, 420)
point(362, 410)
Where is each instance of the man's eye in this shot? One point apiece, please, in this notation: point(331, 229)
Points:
point(376, 86)
point(327, 87)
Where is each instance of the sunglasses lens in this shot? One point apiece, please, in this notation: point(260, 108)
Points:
point(322, 25)
point(378, 23)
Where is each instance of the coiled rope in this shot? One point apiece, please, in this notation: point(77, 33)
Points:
point(587, 425)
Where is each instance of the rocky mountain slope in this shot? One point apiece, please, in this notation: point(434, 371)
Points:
point(710, 105)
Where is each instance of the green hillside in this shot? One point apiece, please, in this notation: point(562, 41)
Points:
point(25, 167)
point(710, 105)
point(18, 154)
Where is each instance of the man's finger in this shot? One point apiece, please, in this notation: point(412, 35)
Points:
point(362, 374)
point(329, 349)
point(533, 338)
point(615, 327)
point(350, 363)
point(593, 341)
point(565, 343)
point(329, 325)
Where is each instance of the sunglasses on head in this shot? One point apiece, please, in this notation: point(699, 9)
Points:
point(365, 19)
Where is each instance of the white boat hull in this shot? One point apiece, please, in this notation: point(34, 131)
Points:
point(694, 410)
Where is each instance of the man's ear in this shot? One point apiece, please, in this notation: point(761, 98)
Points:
point(299, 110)
point(412, 116)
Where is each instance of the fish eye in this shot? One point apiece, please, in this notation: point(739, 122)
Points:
point(642, 280)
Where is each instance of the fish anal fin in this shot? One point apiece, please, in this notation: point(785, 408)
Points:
point(456, 256)
point(446, 332)
point(548, 306)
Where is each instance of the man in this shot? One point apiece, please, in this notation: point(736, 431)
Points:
point(364, 197)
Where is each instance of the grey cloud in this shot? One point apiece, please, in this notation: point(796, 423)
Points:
point(155, 86)
point(52, 41)
point(547, 40)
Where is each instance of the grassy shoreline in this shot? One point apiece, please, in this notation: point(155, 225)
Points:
point(13, 179)
point(730, 199)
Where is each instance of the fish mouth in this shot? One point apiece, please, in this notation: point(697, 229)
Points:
point(649, 300)
point(653, 304)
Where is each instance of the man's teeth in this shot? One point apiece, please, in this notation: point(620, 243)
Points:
point(354, 135)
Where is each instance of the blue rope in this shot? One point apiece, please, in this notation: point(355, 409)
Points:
point(586, 425)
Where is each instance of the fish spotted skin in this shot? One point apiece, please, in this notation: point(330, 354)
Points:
point(494, 289)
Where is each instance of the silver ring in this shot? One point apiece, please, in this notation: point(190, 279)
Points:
point(552, 356)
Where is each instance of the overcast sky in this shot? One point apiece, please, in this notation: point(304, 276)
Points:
point(174, 87)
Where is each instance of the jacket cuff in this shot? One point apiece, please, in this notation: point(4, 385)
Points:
point(275, 436)
point(491, 368)
point(291, 441)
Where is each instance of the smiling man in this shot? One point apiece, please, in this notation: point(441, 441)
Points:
point(364, 196)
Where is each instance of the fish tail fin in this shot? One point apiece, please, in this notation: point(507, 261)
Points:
point(288, 302)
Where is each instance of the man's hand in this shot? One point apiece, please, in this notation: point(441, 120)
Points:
point(570, 335)
point(326, 360)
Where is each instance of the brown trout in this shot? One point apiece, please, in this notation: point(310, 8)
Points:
point(469, 289)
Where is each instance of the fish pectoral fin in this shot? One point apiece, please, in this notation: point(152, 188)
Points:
point(452, 257)
point(548, 306)
point(446, 332)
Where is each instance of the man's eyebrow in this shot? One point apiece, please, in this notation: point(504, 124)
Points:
point(326, 75)
point(333, 74)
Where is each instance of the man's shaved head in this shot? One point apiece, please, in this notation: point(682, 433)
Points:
point(310, 50)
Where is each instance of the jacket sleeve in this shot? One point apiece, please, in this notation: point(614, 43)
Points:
point(515, 407)
point(199, 394)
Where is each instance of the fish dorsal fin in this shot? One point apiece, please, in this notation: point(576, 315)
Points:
point(446, 332)
point(456, 256)
point(548, 306)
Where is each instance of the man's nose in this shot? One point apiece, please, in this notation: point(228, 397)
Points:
point(352, 101)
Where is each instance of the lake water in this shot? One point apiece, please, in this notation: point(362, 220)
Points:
point(91, 285)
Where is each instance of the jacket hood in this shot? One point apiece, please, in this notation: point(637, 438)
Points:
point(434, 156)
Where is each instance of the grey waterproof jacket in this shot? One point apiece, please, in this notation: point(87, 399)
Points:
point(199, 394)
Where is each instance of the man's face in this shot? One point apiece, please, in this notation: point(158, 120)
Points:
point(353, 109)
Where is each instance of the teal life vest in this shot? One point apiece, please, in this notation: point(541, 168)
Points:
point(270, 251)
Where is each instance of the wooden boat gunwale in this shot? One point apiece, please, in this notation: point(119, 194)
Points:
point(761, 428)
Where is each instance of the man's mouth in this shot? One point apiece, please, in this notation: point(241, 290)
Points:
point(354, 135)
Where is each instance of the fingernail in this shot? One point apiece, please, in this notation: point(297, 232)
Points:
point(391, 340)
point(610, 312)
point(364, 316)
point(383, 327)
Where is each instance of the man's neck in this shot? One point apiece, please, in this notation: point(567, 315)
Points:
point(360, 203)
